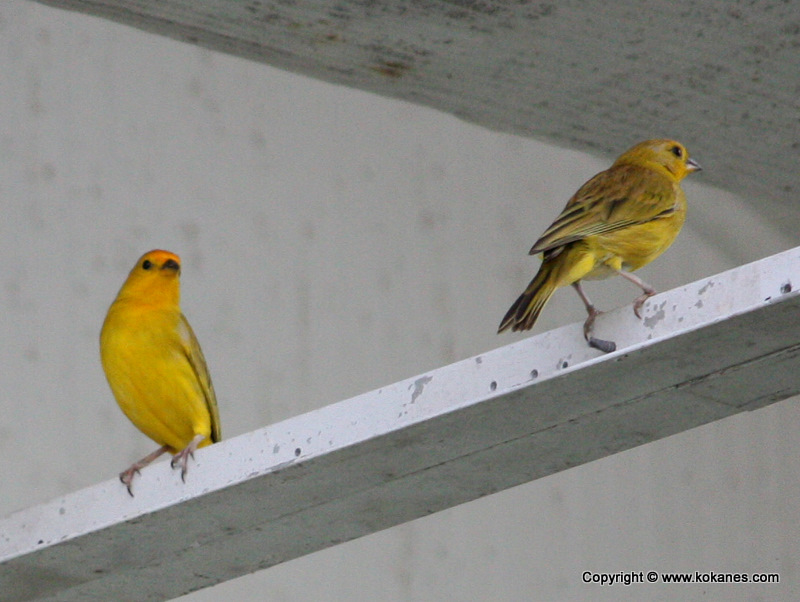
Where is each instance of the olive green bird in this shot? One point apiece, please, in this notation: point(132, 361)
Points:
point(617, 222)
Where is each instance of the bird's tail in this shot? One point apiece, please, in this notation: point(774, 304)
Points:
point(526, 309)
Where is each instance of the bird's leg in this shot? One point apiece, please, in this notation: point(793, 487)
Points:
point(126, 476)
point(604, 346)
point(649, 291)
point(182, 457)
point(590, 308)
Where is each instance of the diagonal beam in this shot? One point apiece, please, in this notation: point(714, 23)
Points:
point(710, 349)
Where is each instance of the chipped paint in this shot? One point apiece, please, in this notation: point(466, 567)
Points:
point(705, 287)
point(651, 321)
point(418, 386)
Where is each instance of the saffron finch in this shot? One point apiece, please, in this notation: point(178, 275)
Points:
point(155, 366)
point(617, 222)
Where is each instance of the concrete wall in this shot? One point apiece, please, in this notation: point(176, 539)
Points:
point(334, 241)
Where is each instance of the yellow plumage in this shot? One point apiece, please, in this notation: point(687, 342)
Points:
point(155, 366)
point(617, 222)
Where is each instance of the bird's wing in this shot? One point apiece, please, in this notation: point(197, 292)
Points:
point(194, 354)
point(621, 196)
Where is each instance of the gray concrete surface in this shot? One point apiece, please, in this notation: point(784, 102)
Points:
point(720, 76)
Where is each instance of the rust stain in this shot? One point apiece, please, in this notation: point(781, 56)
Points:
point(394, 69)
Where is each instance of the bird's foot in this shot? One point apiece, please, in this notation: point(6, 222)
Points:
point(602, 345)
point(638, 303)
point(589, 323)
point(181, 459)
point(126, 476)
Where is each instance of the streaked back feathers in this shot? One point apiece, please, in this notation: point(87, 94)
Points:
point(640, 186)
point(618, 221)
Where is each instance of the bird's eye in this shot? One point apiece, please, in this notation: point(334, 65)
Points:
point(677, 151)
point(147, 264)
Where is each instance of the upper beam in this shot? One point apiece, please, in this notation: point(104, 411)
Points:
point(589, 74)
point(702, 352)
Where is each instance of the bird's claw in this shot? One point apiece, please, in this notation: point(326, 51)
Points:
point(639, 302)
point(182, 457)
point(181, 460)
point(126, 477)
point(600, 344)
point(589, 323)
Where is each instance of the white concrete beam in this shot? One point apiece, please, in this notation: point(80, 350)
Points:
point(708, 350)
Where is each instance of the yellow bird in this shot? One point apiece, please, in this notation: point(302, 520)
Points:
point(617, 222)
point(155, 366)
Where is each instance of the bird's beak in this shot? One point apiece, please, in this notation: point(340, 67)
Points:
point(171, 264)
point(693, 165)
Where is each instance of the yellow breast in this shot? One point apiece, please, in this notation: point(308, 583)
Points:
point(151, 376)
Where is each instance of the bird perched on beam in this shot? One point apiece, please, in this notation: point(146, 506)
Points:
point(617, 222)
point(155, 366)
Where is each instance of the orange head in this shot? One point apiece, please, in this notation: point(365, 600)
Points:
point(666, 156)
point(154, 280)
